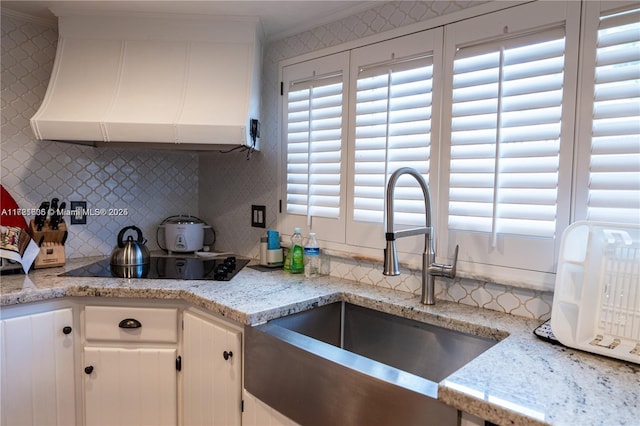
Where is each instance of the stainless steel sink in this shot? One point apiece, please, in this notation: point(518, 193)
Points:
point(349, 365)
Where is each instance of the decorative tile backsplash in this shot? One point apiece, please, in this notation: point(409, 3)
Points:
point(219, 188)
point(149, 185)
point(487, 295)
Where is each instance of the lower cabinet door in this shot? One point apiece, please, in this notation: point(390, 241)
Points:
point(37, 366)
point(211, 369)
point(130, 386)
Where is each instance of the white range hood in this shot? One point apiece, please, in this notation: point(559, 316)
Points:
point(163, 80)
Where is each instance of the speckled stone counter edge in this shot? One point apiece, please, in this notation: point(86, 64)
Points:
point(521, 380)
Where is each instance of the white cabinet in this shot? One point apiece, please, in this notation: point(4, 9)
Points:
point(130, 386)
point(38, 381)
point(130, 375)
point(132, 364)
point(211, 371)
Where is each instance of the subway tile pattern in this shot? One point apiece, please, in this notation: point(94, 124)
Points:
point(148, 186)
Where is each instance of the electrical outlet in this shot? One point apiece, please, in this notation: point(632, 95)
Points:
point(257, 216)
point(78, 213)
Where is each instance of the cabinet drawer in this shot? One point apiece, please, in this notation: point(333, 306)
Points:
point(131, 324)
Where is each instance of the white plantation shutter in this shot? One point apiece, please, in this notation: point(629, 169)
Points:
point(393, 124)
point(505, 135)
point(314, 111)
point(395, 110)
point(313, 119)
point(609, 187)
point(507, 132)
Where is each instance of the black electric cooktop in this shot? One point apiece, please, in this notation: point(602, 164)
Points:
point(221, 268)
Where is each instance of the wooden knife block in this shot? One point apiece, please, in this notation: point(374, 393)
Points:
point(51, 242)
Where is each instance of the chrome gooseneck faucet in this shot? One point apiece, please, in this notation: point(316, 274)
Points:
point(430, 269)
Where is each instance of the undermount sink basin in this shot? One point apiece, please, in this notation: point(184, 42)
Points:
point(345, 364)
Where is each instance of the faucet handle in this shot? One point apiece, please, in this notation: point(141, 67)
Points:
point(455, 262)
point(443, 270)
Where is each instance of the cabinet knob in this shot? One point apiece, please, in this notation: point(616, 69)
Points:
point(130, 323)
point(67, 330)
point(88, 369)
point(226, 355)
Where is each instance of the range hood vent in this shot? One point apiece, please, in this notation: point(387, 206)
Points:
point(161, 80)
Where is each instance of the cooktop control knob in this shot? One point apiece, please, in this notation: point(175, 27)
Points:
point(221, 272)
point(230, 262)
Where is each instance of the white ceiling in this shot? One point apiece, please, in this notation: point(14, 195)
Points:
point(279, 18)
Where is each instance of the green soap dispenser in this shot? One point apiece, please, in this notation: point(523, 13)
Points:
point(296, 252)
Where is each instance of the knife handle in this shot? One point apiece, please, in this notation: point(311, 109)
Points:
point(55, 217)
point(41, 218)
point(59, 214)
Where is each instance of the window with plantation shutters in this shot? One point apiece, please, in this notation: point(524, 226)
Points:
point(510, 100)
point(522, 121)
point(609, 168)
point(393, 123)
point(505, 135)
point(314, 110)
point(392, 107)
point(314, 113)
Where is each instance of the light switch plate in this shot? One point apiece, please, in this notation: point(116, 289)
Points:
point(258, 216)
point(78, 213)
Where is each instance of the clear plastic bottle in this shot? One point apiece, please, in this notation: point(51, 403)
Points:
point(296, 252)
point(312, 257)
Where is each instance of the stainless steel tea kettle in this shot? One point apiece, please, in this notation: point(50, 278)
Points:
point(130, 252)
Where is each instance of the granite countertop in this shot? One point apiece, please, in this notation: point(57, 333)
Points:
point(520, 380)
